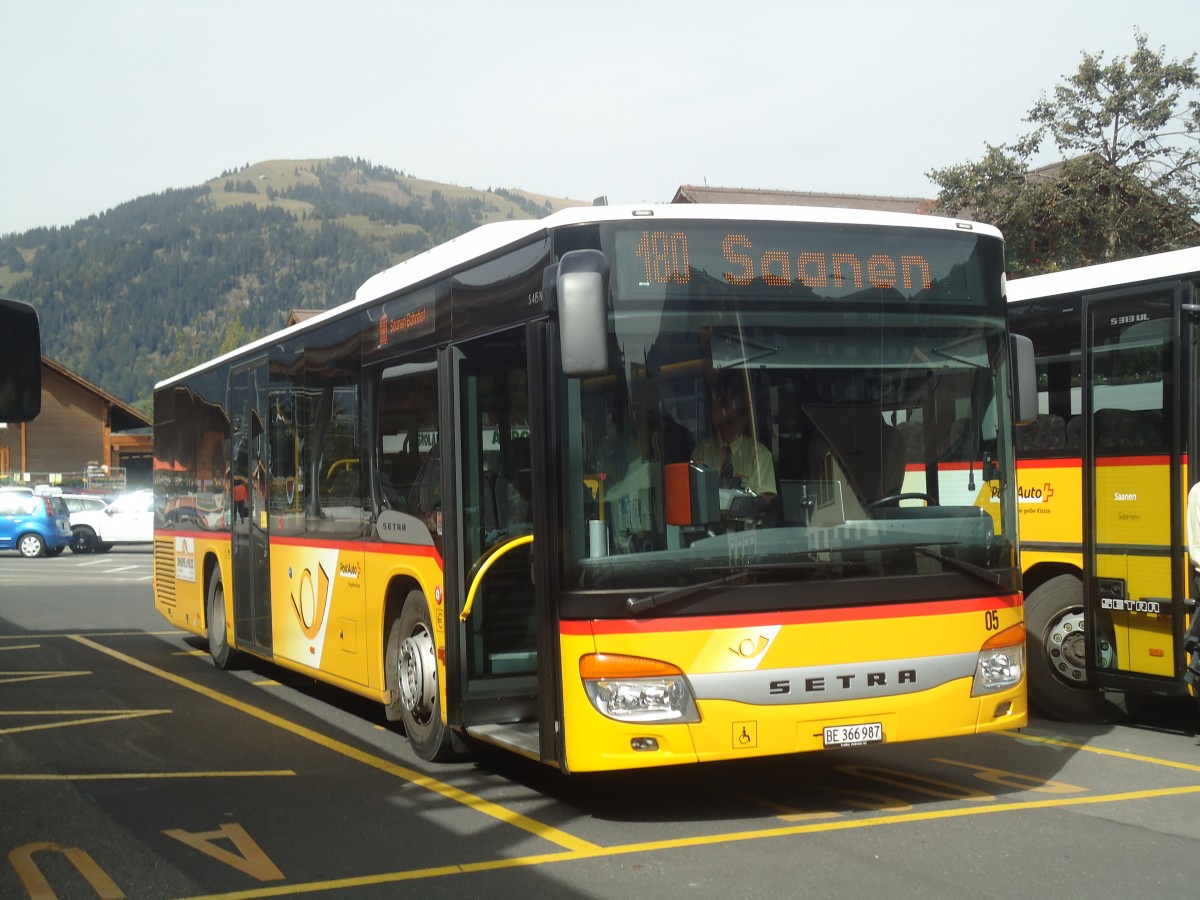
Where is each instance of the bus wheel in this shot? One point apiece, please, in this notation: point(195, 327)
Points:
point(218, 640)
point(1056, 653)
point(412, 680)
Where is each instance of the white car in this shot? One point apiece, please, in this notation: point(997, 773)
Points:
point(80, 503)
point(129, 519)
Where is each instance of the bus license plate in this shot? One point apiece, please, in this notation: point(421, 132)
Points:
point(853, 735)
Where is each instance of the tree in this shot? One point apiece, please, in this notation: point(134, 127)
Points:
point(1129, 134)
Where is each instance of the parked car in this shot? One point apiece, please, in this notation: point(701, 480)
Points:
point(79, 503)
point(35, 526)
point(129, 519)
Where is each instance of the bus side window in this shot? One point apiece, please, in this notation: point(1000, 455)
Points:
point(409, 469)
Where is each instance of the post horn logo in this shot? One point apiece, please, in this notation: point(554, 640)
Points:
point(310, 605)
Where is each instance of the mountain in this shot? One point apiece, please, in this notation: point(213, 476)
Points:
point(158, 284)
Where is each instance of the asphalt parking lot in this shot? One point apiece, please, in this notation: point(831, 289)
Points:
point(129, 766)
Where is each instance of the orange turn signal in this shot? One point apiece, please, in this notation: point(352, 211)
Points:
point(595, 666)
point(1009, 637)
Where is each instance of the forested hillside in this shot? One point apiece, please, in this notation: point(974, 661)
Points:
point(147, 289)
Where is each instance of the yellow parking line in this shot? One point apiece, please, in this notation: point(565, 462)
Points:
point(486, 807)
point(577, 849)
point(685, 842)
point(89, 717)
point(50, 634)
point(18, 677)
point(1102, 751)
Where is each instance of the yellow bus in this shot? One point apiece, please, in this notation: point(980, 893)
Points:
point(1103, 480)
point(484, 491)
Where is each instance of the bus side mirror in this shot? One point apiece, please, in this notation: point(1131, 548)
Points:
point(20, 362)
point(1025, 401)
point(582, 298)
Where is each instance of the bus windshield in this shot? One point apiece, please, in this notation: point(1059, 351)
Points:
point(825, 404)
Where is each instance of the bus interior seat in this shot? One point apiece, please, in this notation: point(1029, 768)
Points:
point(957, 446)
point(1128, 429)
point(516, 468)
point(1046, 432)
point(402, 471)
point(1075, 432)
point(912, 432)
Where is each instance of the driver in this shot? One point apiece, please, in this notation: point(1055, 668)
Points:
point(733, 451)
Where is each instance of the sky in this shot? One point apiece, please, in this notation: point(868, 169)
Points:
point(103, 102)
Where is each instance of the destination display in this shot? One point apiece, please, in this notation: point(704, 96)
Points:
point(834, 261)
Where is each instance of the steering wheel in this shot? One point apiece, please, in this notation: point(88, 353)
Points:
point(896, 498)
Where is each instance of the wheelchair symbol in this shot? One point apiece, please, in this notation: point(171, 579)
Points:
point(745, 735)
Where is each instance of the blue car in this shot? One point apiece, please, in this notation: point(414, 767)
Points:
point(34, 525)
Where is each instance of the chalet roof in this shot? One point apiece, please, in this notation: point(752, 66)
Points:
point(124, 416)
point(690, 193)
point(299, 315)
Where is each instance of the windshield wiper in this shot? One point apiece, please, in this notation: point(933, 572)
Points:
point(664, 598)
point(988, 576)
point(945, 353)
point(674, 595)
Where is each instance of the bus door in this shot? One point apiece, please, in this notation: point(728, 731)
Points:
point(248, 408)
point(497, 655)
point(1133, 522)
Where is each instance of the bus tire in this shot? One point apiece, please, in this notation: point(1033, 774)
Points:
point(1056, 655)
point(218, 638)
point(412, 680)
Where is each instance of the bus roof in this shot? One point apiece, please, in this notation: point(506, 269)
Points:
point(486, 238)
point(1106, 275)
point(491, 239)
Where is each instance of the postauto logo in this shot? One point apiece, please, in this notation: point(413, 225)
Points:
point(1035, 494)
point(1028, 494)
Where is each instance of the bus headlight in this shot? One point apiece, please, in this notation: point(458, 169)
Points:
point(1001, 663)
point(633, 689)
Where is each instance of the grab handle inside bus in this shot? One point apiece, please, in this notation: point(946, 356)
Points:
point(498, 551)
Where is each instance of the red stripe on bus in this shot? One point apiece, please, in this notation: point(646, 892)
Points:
point(586, 627)
point(422, 550)
point(1159, 460)
point(1070, 462)
point(160, 535)
point(361, 546)
point(1074, 462)
point(944, 467)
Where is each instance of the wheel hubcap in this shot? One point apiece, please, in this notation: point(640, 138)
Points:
point(418, 674)
point(1066, 647)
